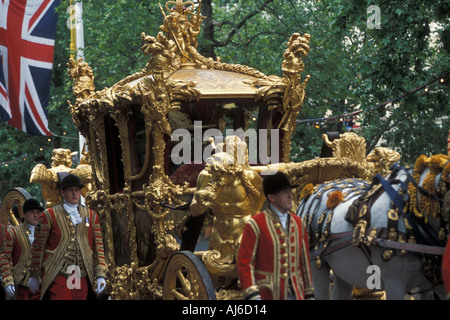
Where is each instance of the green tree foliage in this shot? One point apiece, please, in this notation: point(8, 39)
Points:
point(352, 68)
point(113, 37)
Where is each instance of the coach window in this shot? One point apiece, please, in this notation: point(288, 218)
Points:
point(114, 156)
point(141, 155)
point(137, 140)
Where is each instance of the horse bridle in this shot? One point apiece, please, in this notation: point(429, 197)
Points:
point(411, 179)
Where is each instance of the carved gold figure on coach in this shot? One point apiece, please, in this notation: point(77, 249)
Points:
point(292, 67)
point(350, 145)
point(83, 78)
point(290, 88)
point(61, 162)
point(182, 25)
point(232, 190)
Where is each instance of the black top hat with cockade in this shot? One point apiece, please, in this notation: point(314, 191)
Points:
point(276, 182)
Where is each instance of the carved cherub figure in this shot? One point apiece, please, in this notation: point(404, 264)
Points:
point(61, 162)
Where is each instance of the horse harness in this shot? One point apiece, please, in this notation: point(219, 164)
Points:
point(419, 238)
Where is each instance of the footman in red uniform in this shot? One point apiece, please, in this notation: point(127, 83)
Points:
point(273, 259)
point(68, 239)
point(16, 253)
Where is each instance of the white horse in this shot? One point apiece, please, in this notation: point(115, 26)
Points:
point(358, 252)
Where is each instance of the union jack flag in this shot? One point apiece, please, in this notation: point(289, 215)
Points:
point(27, 38)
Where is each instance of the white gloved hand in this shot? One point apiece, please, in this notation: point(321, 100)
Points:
point(10, 290)
point(101, 284)
point(34, 284)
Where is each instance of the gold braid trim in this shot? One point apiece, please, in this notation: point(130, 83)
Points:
point(446, 173)
point(6, 259)
point(306, 191)
point(419, 166)
point(427, 206)
point(25, 257)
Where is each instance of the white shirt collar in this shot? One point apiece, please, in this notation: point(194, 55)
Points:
point(72, 211)
point(282, 216)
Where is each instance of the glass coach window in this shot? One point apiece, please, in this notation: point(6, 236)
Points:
point(114, 156)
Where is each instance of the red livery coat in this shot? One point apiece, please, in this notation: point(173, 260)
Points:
point(446, 269)
point(270, 256)
point(53, 236)
point(15, 261)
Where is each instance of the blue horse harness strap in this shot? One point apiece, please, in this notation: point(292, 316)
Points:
point(400, 204)
point(393, 195)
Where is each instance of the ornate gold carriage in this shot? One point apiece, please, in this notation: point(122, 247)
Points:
point(143, 184)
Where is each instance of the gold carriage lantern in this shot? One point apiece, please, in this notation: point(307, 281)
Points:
point(130, 129)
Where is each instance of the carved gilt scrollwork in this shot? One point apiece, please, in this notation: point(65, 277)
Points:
point(350, 145)
point(289, 89)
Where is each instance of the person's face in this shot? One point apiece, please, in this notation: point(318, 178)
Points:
point(71, 194)
point(282, 200)
point(32, 216)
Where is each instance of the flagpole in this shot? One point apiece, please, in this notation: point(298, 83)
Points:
point(79, 46)
point(79, 42)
